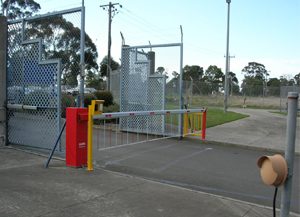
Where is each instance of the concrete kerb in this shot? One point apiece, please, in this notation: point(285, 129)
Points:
point(248, 147)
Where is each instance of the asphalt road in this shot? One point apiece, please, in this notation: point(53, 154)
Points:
point(222, 170)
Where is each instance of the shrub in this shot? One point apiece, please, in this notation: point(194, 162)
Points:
point(66, 101)
point(112, 108)
point(88, 99)
point(106, 96)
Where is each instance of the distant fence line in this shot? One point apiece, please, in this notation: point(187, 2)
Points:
point(197, 94)
point(212, 94)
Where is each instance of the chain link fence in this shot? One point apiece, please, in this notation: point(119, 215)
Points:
point(115, 85)
point(43, 53)
point(283, 96)
point(212, 94)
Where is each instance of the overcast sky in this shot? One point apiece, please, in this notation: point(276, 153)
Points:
point(264, 31)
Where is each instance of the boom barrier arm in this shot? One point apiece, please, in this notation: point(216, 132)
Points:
point(198, 127)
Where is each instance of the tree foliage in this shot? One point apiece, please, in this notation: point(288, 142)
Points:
point(273, 85)
point(61, 39)
point(202, 83)
point(193, 72)
point(297, 79)
point(234, 87)
point(254, 79)
point(255, 70)
point(215, 77)
point(14, 9)
point(286, 81)
point(104, 63)
point(214, 74)
point(160, 70)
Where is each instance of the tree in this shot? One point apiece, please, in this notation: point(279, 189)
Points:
point(61, 39)
point(175, 74)
point(234, 83)
point(14, 9)
point(255, 79)
point(160, 70)
point(94, 80)
point(273, 87)
point(255, 70)
point(297, 79)
point(104, 63)
point(192, 75)
point(193, 72)
point(286, 80)
point(215, 77)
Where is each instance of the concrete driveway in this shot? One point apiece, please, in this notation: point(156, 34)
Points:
point(262, 129)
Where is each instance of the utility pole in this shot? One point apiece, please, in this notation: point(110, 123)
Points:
point(229, 70)
point(227, 59)
point(112, 11)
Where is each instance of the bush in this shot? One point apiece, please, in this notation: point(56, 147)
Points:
point(106, 96)
point(66, 101)
point(112, 108)
point(88, 99)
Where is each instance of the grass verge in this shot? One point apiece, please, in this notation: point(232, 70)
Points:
point(217, 116)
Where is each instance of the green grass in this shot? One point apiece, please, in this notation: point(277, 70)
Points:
point(217, 116)
point(214, 117)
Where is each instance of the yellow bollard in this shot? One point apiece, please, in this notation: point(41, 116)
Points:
point(185, 124)
point(95, 108)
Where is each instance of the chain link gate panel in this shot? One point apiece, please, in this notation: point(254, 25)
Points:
point(37, 55)
point(140, 90)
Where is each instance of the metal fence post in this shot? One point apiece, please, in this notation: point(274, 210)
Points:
point(3, 44)
point(82, 47)
point(289, 152)
point(180, 86)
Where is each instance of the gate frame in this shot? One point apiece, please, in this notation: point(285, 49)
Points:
point(3, 77)
point(180, 45)
point(51, 61)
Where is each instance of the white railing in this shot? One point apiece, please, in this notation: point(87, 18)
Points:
point(114, 130)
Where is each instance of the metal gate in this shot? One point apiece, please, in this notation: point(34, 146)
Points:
point(34, 68)
point(141, 90)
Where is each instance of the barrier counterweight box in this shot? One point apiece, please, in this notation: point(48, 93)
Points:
point(76, 137)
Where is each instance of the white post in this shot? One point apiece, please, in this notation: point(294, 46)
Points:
point(289, 152)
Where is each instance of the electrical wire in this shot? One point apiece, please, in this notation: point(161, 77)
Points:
point(274, 202)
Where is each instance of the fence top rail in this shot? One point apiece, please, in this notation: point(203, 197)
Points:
point(147, 113)
point(51, 14)
point(153, 46)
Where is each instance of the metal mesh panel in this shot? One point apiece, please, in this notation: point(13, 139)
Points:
point(284, 94)
point(40, 51)
point(140, 92)
point(115, 85)
point(156, 101)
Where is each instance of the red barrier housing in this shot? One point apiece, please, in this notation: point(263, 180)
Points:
point(76, 137)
